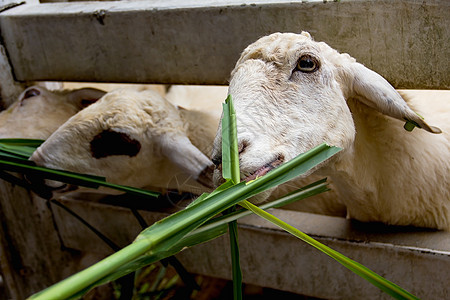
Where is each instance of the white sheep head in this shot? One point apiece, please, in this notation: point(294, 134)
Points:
point(290, 94)
point(39, 112)
point(131, 137)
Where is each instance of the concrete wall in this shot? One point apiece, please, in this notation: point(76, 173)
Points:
point(199, 42)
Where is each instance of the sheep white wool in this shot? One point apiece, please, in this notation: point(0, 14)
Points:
point(199, 102)
point(135, 115)
point(205, 98)
point(143, 141)
point(292, 93)
point(37, 113)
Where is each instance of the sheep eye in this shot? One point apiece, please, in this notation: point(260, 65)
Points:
point(31, 93)
point(307, 64)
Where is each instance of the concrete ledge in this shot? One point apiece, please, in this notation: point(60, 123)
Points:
point(417, 260)
point(199, 42)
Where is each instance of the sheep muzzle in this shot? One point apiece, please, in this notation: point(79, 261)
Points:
point(265, 169)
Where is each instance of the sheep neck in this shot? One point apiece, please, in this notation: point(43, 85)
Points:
point(381, 176)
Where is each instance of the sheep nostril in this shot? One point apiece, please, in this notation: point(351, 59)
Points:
point(217, 160)
point(242, 146)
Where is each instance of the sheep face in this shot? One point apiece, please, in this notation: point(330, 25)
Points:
point(291, 93)
point(287, 100)
point(131, 138)
point(38, 112)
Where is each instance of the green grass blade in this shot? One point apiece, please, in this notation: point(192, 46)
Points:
point(23, 152)
point(14, 154)
point(235, 260)
point(230, 155)
point(226, 142)
point(59, 175)
point(130, 190)
point(195, 215)
point(231, 173)
point(8, 156)
point(380, 282)
point(218, 202)
point(73, 285)
point(152, 257)
point(222, 187)
point(20, 147)
point(286, 172)
point(27, 167)
point(22, 142)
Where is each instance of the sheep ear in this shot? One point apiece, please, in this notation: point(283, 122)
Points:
point(376, 92)
point(187, 157)
point(30, 92)
point(306, 33)
point(85, 97)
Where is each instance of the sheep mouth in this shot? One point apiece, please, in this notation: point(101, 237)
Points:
point(265, 169)
point(64, 188)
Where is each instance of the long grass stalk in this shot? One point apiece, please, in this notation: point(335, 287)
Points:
point(380, 282)
point(90, 181)
point(230, 154)
point(231, 173)
point(72, 285)
point(20, 147)
point(235, 259)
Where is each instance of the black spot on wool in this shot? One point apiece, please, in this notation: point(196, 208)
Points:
point(109, 142)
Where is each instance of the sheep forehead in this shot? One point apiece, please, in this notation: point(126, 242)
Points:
point(127, 100)
point(56, 96)
point(284, 49)
point(149, 109)
point(126, 110)
point(279, 48)
point(48, 103)
point(262, 102)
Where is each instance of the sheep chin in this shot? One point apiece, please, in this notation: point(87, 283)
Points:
point(258, 173)
point(265, 169)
